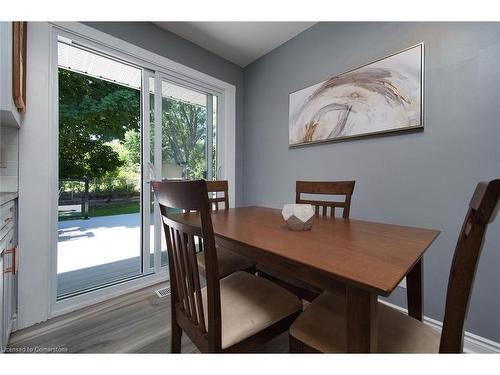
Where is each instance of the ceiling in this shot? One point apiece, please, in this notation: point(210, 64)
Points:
point(238, 42)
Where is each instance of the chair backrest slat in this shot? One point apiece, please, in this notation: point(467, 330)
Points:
point(196, 280)
point(183, 237)
point(215, 187)
point(344, 188)
point(464, 264)
point(188, 274)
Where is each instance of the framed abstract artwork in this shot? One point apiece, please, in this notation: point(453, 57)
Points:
point(19, 40)
point(380, 97)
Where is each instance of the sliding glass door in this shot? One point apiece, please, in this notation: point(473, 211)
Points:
point(185, 138)
point(187, 133)
point(100, 171)
point(121, 126)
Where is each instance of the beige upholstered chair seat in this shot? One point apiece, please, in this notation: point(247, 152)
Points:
point(322, 326)
point(228, 261)
point(250, 304)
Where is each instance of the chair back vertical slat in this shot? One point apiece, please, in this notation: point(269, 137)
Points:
point(174, 283)
point(190, 201)
point(197, 288)
point(465, 259)
point(189, 278)
point(344, 188)
point(181, 278)
point(174, 272)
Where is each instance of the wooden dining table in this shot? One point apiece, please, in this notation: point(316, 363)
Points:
point(362, 259)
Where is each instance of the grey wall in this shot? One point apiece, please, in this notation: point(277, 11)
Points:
point(155, 39)
point(421, 179)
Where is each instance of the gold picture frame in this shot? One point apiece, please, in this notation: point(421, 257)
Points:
point(19, 43)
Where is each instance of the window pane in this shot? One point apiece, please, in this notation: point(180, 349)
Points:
point(99, 236)
point(184, 132)
point(214, 138)
point(151, 170)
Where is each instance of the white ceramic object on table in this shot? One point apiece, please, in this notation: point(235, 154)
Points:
point(298, 216)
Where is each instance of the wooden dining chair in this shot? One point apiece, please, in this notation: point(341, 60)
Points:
point(215, 188)
point(327, 188)
point(321, 208)
point(229, 261)
point(235, 314)
point(322, 326)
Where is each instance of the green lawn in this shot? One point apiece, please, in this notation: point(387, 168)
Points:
point(106, 210)
point(114, 209)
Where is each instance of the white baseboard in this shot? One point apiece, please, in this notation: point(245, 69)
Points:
point(472, 343)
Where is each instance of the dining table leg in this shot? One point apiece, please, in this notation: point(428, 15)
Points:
point(414, 291)
point(361, 320)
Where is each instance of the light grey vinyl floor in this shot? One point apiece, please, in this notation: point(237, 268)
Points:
point(138, 322)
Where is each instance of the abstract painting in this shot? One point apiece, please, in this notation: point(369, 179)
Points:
point(383, 96)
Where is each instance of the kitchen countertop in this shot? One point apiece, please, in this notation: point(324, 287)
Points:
point(7, 197)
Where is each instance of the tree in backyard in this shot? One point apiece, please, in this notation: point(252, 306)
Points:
point(93, 113)
point(99, 133)
point(184, 136)
point(132, 147)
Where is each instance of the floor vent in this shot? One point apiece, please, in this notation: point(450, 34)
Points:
point(163, 292)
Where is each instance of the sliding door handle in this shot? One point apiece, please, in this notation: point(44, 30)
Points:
point(12, 251)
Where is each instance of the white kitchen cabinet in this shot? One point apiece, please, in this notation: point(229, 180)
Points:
point(8, 279)
point(9, 116)
point(2, 331)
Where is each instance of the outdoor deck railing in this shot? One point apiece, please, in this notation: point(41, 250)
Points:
point(85, 195)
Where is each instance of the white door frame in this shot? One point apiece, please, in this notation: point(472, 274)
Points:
point(149, 60)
